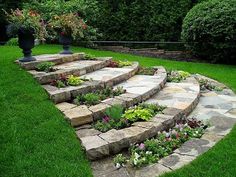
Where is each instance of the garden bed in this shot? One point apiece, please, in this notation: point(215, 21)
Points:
point(117, 118)
point(152, 150)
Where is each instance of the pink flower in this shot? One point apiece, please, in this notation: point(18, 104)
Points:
point(142, 146)
point(62, 33)
point(106, 119)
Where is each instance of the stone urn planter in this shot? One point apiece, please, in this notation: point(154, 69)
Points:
point(26, 43)
point(66, 41)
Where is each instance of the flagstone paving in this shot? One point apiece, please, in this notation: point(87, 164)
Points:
point(217, 108)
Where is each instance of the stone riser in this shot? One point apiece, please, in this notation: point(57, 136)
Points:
point(55, 58)
point(100, 145)
point(66, 94)
point(45, 78)
point(96, 112)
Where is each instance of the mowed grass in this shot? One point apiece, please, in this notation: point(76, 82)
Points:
point(37, 141)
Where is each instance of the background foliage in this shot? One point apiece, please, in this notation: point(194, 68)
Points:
point(209, 29)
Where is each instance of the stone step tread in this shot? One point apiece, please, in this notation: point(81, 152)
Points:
point(79, 68)
point(56, 58)
point(141, 84)
point(177, 95)
point(147, 86)
point(99, 145)
point(107, 73)
point(59, 95)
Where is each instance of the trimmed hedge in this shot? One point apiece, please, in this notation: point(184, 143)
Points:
point(209, 30)
point(142, 20)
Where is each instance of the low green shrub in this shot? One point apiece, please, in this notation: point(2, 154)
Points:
point(46, 67)
point(176, 76)
point(209, 30)
point(147, 71)
point(97, 96)
point(12, 42)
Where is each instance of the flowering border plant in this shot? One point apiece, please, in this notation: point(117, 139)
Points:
point(68, 25)
point(151, 150)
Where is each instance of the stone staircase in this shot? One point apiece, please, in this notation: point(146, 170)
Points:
point(180, 100)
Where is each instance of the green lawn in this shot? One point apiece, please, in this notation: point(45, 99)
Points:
point(35, 140)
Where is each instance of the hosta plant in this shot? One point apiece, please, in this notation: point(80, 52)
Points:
point(117, 119)
point(71, 80)
point(177, 76)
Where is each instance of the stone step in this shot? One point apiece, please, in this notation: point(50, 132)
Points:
point(217, 108)
point(138, 89)
point(99, 79)
point(77, 68)
point(180, 99)
point(55, 58)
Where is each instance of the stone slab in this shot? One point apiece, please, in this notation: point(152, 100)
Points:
point(79, 115)
point(65, 106)
point(56, 58)
point(95, 147)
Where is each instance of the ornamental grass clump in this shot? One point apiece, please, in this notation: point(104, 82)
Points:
point(152, 150)
point(26, 20)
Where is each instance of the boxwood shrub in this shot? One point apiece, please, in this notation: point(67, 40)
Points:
point(209, 29)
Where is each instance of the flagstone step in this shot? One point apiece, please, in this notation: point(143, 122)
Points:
point(180, 99)
point(55, 58)
point(138, 89)
point(77, 68)
point(217, 108)
point(99, 79)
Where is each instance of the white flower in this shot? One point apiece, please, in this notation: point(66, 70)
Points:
point(118, 165)
point(135, 162)
point(149, 152)
point(136, 155)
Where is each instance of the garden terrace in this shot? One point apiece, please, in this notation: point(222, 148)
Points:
point(179, 98)
point(216, 106)
point(98, 79)
point(138, 89)
point(76, 68)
